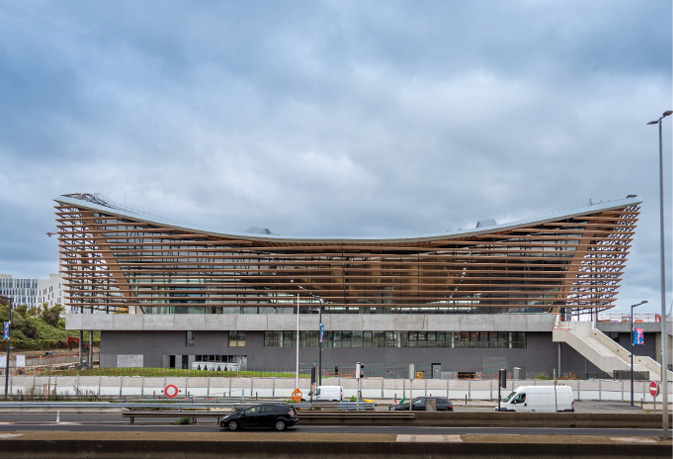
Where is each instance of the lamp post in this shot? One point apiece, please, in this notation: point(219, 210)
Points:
point(320, 332)
point(664, 350)
point(632, 338)
point(296, 377)
point(9, 340)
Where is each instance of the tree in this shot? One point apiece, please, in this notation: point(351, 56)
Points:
point(51, 315)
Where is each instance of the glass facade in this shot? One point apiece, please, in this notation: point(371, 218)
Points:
point(387, 339)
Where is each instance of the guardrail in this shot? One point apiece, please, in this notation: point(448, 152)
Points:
point(308, 417)
point(444, 419)
point(120, 405)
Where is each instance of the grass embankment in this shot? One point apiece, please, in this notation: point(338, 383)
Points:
point(39, 329)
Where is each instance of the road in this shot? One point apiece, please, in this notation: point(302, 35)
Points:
point(112, 422)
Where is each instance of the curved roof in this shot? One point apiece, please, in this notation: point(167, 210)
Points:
point(103, 204)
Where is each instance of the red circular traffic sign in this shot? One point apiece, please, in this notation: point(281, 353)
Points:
point(173, 391)
point(654, 388)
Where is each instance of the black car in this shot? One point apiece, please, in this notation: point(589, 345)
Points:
point(275, 416)
point(418, 404)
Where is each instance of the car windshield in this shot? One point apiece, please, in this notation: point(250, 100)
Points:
point(509, 397)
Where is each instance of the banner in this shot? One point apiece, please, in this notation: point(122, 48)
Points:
point(638, 336)
point(20, 361)
point(322, 330)
point(5, 334)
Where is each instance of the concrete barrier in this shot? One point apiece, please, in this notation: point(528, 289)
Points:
point(501, 419)
point(444, 419)
point(150, 449)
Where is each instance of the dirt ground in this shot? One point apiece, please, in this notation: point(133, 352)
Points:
point(44, 353)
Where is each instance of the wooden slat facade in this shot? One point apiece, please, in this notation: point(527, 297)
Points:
point(111, 259)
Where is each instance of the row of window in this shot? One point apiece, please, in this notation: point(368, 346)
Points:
point(505, 340)
point(236, 339)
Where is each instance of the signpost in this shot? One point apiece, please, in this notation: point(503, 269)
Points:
point(411, 381)
point(654, 388)
point(654, 391)
point(21, 363)
point(502, 382)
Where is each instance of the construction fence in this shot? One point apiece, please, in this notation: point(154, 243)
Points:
point(125, 387)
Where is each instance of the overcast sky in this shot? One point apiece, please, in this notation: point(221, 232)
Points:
point(334, 118)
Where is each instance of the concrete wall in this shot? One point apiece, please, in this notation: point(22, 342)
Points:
point(263, 322)
point(540, 356)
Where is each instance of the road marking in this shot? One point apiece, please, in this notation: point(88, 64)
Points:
point(10, 435)
point(634, 439)
point(429, 438)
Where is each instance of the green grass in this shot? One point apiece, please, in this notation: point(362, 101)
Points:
point(31, 332)
point(168, 372)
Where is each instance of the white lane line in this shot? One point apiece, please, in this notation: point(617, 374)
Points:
point(406, 438)
point(633, 439)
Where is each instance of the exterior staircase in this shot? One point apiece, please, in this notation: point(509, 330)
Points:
point(603, 351)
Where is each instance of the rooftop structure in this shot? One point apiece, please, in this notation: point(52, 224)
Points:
point(112, 257)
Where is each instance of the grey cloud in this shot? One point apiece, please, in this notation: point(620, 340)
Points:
point(331, 118)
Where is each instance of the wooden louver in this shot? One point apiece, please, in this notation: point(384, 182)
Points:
point(111, 259)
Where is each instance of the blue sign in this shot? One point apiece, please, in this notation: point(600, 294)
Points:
point(5, 334)
point(322, 330)
point(638, 336)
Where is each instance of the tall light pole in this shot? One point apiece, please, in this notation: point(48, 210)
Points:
point(320, 330)
point(632, 338)
point(664, 350)
point(320, 333)
point(296, 377)
point(9, 340)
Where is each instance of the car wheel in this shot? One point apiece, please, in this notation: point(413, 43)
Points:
point(279, 425)
point(233, 425)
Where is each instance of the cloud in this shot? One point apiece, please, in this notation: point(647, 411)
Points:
point(333, 118)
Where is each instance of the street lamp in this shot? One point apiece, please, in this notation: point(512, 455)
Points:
point(632, 338)
point(320, 329)
point(9, 340)
point(664, 350)
point(296, 377)
point(320, 333)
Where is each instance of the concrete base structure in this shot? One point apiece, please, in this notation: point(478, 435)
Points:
point(296, 444)
point(176, 341)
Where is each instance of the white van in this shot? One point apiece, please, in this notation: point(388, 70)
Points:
point(326, 394)
point(539, 399)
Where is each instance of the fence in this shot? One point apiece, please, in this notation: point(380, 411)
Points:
point(372, 388)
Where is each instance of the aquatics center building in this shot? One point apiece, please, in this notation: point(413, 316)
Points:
point(467, 302)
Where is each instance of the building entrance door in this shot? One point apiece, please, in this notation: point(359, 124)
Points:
point(436, 370)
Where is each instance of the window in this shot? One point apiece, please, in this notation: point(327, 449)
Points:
point(236, 339)
point(189, 339)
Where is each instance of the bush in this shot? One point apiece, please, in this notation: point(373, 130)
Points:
point(184, 421)
point(51, 315)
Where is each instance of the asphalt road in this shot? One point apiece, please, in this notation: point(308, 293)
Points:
point(93, 422)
